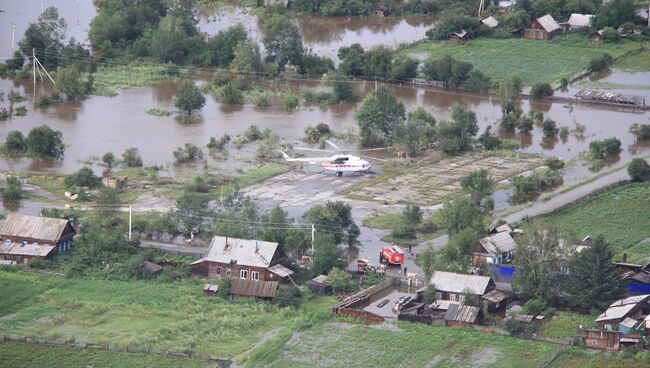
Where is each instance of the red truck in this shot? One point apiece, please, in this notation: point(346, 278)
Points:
point(392, 255)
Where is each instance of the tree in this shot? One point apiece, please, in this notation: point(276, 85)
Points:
point(404, 68)
point(412, 215)
point(594, 280)
point(326, 257)
point(12, 191)
point(288, 296)
point(340, 280)
point(44, 142)
point(352, 60)
point(508, 92)
point(457, 254)
point(70, 83)
point(602, 149)
point(189, 98)
point(430, 294)
point(131, 157)
point(460, 213)
point(15, 143)
point(456, 136)
point(343, 88)
point(45, 37)
point(453, 73)
point(314, 65)
point(84, 177)
point(276, 226)
point(378, 62)
point(541, 90)
point(477, 81)
point(221, 47)
point(477, 184)
point(191, 211)
point(282, 41)
point(640, 131)
point(540, 255)
point(549, 128)
point(639, 170)
point(451, 23)
point(246, 58)
point(600, 63)
point(109, 160)
point(614, 13)
point(379, 114)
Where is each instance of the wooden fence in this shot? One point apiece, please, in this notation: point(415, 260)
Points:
point(221, 362)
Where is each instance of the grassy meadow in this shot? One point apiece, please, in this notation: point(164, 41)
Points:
point(564, 324)
point(635, 63)
point(533, 61)
point(163, 316)
point(572, 357)
point(19, 355)
point(622, 215)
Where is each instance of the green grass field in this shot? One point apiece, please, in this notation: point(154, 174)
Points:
point(19, 355)
point(564, 324)
point(635, 63)
point(402, 345)
point(163, 316)
point(622, 215)
point(533, 61)
point(595, 359)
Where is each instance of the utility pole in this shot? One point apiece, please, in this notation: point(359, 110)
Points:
point(130, 218)
point(313, 236)
point(77, 12)
point(42, 6)
point(13, 34)
point(34, 71)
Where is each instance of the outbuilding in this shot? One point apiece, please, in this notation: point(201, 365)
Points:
point(543, 28)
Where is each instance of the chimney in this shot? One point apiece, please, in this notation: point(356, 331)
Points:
point(257, 247)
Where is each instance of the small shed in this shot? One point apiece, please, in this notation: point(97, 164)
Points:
point(319, 285)
point(459, 36)
point(577, 21)
point(23, 253)
point(253, 289)
point(115, 182)
point(495, 301)
point(490, 22)
point(462, 315)
point(153, 268)
point(543, 28)
point(210, 289)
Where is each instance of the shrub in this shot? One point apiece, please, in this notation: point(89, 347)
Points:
point(84, 177)
point(131, 157)
point(316, 134)
point(288, 296)
point(290, 101)
point(640, 131)
point(13, 189)
point(45, 142)
point(534, 307)
point(228, 94)
point(600, 63)
point(549, 128)
point(251, 134)
point(219, 144)
point(554, 163)
point(269, 146)
point(639, 170)
point(610, 35)
point(15, 143)
point(187, 153)
point(605, 148)
point(341, 280)
point(541, 90)
point(109, 159)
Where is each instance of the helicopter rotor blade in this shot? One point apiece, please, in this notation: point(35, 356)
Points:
point(333, 145)
point(312, 149)
point(374, 158)
point(372, 149)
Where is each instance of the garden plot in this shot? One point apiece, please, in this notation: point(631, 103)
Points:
point(431, 183)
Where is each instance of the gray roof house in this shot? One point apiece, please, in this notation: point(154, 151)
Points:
point(496, 248)
point(452, 286)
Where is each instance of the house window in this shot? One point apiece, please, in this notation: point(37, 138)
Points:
point(228, 271)
point(255, 275)
point(438, 295)
point(594, 342)
point(452, 297)
point(461, 299)
point(218, 271)
point(243, 274)
point(497, 305)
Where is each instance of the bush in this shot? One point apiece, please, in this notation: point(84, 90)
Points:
point(13, 189)
point(290, 101)
point(549, 128)
point(554, 163)
point(600, 63)
point(109, 159)
point(640, 131)
point(316, 134)
point(131, 158)
point(288, 296)
point(605, 148)
point(84, 177)
point(610, 35)
point(15, 144)
point(187, 153)
point(541, 90)
point(219, 144)
point(44, 142)
point(251, 134)
point(430, 294)
point(228, 94)
point(639, 170)
point(534, 307)
point(341, 280)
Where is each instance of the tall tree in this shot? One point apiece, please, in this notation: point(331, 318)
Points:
point(460, 213)
point(594, 280)
point(378, 115)
point(44, 142)
point(282, 41)
point(46, 37)
point(477, 184)
point(189, 97)
point(540, 254)
point(508, 92)
point(456, 136)
point(276, 226)
point(352, 60)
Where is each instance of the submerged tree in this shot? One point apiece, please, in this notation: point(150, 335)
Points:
point(189, 98)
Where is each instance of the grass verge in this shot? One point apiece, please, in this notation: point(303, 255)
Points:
point(564, 324)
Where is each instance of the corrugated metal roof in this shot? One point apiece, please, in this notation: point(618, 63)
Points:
point(580, 20)
point(630, 300)
point(548, 23)
point(281, 271)
point(462, 313)
point(490, 21)
point(33, 227)
point(458, 283)
point(243, 252)
point(502, 228)
point(495, 296)
point(462, 33)
point(615, 313)
point(19, 249)
point(498, 243)
point(629, 322)
point(251, 288)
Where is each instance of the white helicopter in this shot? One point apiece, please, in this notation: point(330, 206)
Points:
point(340, 162)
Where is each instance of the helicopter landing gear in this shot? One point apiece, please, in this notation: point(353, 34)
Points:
point(339, 173)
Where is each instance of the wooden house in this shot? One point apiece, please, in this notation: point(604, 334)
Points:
point(543, 28)
point(453, 286)
point(243, 259)
point(497, 249)
point(462, 315)
point(244, 288)
point(621, 309)
point(115, 182)
point(36, 230)
point(494, 301)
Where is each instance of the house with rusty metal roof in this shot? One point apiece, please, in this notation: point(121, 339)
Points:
point(453, 286)
point(37, 230)
point(244, 259)
point(543, 28)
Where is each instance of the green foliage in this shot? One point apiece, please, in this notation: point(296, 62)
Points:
point(534, 307)
point(565, 324)
point(460, 213)
point(352, 60)
point(15, 144)
point(554, 163)
point(246, 58)
point(43, 142)
point(640, 131)
point(508, 92)
point(341, 280)
point(12, 190)
point(526, 187)
point(131, 157)
point(379, 113)
point(404, 68)
point(219, 144)
point(600, 63)
point(614, 13)
point(191, 211)
point(187, 153)
point(416, 134)
point(550, 128)
point(454, 23)
point(220, 47)
point(430, 294)
point(45, 37)
point(594, 279)
point(158, 112)
point(453, 73)
point(541, 90)
point(84, 177)
point(46, 100)
point(189, 98)
point(456, 136)
point(315, 66)
point(229, 94)
point(317, 134)
point(599, 150)
point(477, 184)
point(269, 146)
point(288, 296)
point(251, 134)
point(639, 170)
point(477, 81)
point(282, 41)
point(70, 82)
point(327, 256)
